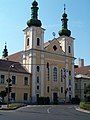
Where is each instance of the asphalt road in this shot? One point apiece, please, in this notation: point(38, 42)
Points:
point(61, 112)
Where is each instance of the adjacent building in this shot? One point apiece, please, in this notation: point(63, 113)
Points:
point(82, 79)
point(21, 80)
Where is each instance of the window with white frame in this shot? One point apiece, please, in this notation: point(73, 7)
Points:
point(84, 85)
point(48, 89)
point(38, 41)
point(61, 75)
point(13, 79)
point(38, 68)
point(69, 81)
point(27, 41)
point(25, 97)
point(55, 74)
point(48, 71)
point(2, 79)
point(13, 96)
point(37, 87)
point(25, 80)
point(37, 79)
point(61, 89)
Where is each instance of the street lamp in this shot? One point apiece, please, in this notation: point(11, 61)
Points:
point(8, 88)
point(66, 90)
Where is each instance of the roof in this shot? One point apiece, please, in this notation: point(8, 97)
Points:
point(46, 44)
point(85, 70)
point(17, 57)
point(6, 65)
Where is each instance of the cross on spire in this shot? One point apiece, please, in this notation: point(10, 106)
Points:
point(64, 8)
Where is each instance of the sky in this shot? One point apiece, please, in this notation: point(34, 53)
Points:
point(14, 15)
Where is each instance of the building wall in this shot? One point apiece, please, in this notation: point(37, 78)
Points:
point(19, 88)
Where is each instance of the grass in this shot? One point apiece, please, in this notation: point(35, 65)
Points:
point(85, 105)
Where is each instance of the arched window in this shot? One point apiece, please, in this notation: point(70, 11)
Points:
point(38, 68)
point(69, 49)
point(47, 70)
point(27, 41)
point(37, 79)
point(61, 75)
point(48, 89)
point(38, 42)
point(55, 74)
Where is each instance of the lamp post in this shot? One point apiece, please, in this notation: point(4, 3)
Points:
point(8, 81)
point(66, 90)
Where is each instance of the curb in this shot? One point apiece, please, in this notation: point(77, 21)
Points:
point(82, 110)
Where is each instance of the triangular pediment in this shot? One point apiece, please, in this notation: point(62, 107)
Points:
point(54, 46)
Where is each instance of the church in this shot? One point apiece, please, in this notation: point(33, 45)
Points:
point(50, 63)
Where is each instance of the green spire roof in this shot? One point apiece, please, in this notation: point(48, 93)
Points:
point(64, 20)
point(34, 16)
point(5, 51)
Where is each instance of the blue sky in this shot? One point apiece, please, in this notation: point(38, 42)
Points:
point(15, 13)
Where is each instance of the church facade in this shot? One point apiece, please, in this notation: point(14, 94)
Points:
point(50, 63)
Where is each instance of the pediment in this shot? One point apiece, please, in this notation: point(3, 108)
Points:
point(54, 46)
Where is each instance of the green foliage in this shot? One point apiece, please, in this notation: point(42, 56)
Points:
point(75, 100)
point(3, 94)
point(85, 105)
point(87, 89)
point(87, 99)
point(43, 101)
point(15, 105)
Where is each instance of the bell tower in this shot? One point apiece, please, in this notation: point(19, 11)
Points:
point(33, 57)
point(67, 44)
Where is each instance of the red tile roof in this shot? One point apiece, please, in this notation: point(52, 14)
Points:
point(85, 70)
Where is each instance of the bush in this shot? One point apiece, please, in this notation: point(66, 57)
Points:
point(43, 101)
point(75, 100)
point(87, 99)
point(85, 105)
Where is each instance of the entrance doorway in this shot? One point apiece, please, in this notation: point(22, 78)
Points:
point(55, 98)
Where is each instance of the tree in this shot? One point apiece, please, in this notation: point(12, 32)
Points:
point(87, 89)
point(87, 93)
point(3, 94)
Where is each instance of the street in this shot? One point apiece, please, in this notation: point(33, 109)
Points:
point(60, 112)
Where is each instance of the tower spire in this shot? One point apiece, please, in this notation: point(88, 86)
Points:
point(64, 20)
point(5, 51)
point(34, 16)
